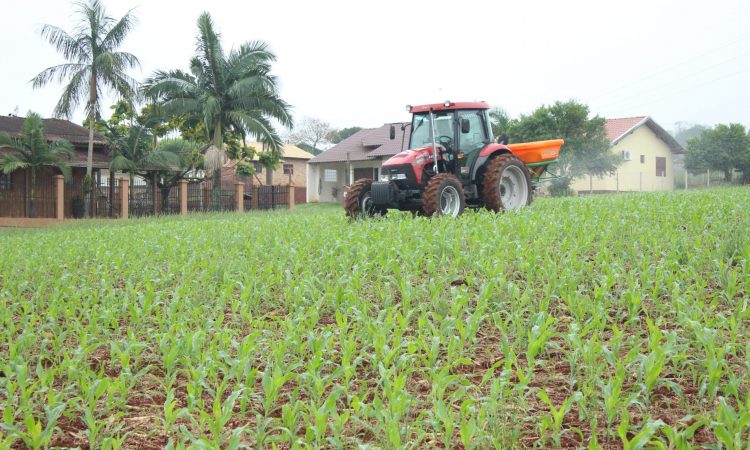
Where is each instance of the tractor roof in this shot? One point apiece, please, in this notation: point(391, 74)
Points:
point(448, 106)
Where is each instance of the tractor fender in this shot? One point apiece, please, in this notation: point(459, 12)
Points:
point(487, 153)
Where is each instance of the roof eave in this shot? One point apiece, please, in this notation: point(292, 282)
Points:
point(630, 130)
point(660, 132)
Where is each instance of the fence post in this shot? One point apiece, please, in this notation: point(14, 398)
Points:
point(255, 201)
point(59, 197)
point(183, 197)
point(239, 194)
point(124, 194)
point(291, 197)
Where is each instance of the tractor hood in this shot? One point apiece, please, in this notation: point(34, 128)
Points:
point(410, 161)
point(414, 157)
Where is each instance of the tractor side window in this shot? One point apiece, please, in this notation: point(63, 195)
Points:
point(474, 139)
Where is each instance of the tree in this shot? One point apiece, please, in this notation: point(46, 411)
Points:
point(34, 152)
point(311, 132)
point(336, 136)
point(186, 158)
point(500, 122)
point(94, 66)
point(684, 131)
point(226, 92)
point(133, 141)
point(587, 150)
point(724, 147)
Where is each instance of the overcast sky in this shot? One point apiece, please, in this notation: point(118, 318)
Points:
point(359, 63)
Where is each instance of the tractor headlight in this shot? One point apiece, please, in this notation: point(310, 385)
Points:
point(398, 176)
point(385, 178)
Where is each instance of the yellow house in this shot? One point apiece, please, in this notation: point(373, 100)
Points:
point(647, 158)
point(292, 171)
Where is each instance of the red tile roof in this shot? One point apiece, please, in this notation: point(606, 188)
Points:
point(54, 130)
point(58, 129)
point(618, 129)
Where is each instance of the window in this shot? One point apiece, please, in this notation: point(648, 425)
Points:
point(288, 169)
point(661, 166)
point(626, 155)
point(258, 167)
point(643, 159)
point(475, 138)
point(6, 182)
point(369, 172)
point(330, 175)
point(420, 125)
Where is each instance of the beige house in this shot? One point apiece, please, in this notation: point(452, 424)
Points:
point(647, 152)
point(292, 171)
point(358, 156)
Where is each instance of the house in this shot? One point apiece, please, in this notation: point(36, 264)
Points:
point(359, 156)
point(15, 187)
point(648, 153)
point(292, 171)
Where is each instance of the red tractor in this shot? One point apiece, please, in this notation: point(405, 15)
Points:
point(453, 162)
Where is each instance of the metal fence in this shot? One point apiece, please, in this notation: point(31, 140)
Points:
point(271, 197)
point(200, 197)
point(103, 200)
point(19, 201)
point(143, 199)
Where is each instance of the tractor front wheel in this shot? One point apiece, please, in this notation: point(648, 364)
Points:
point(443, 196)
point(358, 202)
point(507, 184)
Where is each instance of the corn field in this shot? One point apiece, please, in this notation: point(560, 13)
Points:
point(599, 322)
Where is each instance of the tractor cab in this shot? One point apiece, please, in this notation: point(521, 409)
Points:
point(460, 131)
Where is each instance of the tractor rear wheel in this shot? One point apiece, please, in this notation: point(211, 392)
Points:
point(507, 184)
point(443, 196)
point(358, 202)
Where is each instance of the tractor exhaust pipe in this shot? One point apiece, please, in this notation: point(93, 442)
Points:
point(434, 146)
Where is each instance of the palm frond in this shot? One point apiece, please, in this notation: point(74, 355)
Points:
point(62, 149)
point(163, 159)
point(32, 136)
point(117, 34)
point(59, 73)
point(64, 169)
point(10, 163)
point(73, 93)
point(72, 48)
point(269, 105)
point(164, 84)
point(210, 51)
point(260, 127)
point(7, 141)
point(122, 163)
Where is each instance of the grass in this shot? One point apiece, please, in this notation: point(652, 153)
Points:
point(612, 322)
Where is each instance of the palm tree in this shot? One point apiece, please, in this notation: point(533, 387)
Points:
point(134, 153)
point(94, 65)
point(233, 91)
point(34, 152)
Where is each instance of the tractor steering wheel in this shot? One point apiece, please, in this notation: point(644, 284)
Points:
point(445, 141)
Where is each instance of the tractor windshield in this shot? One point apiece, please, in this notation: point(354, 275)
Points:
point(420, 128)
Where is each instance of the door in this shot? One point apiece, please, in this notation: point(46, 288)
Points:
point(470, 143)
point(366, 172)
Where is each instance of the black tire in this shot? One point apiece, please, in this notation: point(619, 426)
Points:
point(507, 184)
point(358, 203)
point(444, 196)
